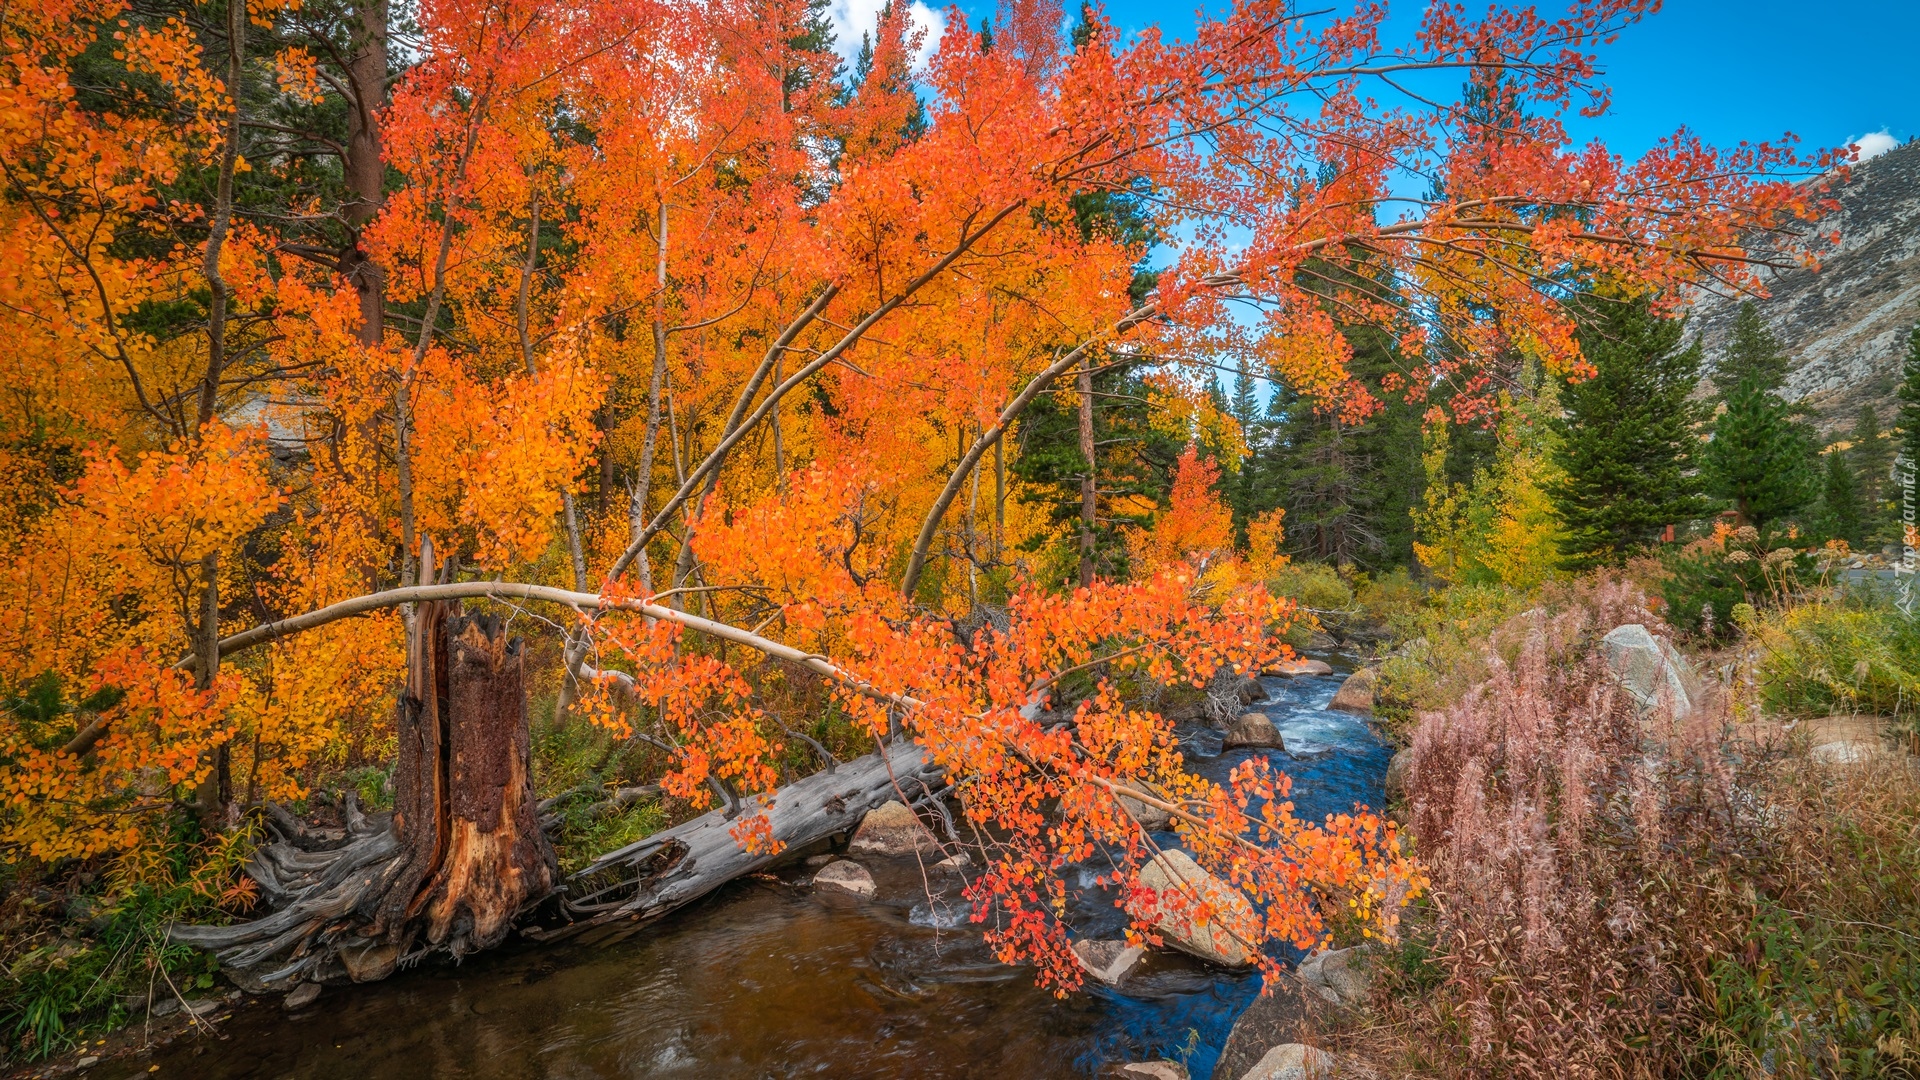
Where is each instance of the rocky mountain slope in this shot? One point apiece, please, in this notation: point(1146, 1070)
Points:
point(1845, 324)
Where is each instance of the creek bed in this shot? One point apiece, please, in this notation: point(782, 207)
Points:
point(768, 979)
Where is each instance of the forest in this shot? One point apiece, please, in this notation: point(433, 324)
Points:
point(489, 478)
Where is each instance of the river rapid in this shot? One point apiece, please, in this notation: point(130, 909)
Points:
point(769, 979)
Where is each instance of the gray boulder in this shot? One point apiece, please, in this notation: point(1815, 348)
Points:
point(891, 829)
point(1108, 961)
point(848, 876)
point(1397, 774)
point(1298, 666)
point(1253, 731)
point(1339, 976)
point(1180, 888)
point(1150, 818)
point(1651, 670)
point(1355, 694)
point(1152, 1070)
point(1293, 1061)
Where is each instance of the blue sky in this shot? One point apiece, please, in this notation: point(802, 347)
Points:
point(1732, 70)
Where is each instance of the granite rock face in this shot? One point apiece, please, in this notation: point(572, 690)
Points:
point(1843, 326)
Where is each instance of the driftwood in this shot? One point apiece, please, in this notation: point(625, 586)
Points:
point(676, 866)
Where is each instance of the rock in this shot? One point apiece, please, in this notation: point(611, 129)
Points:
point(1339, 976)
point(1253, 730)
point(1845, 740)
point(1150, 818)
point(302, 996)
point(848, 875)
point(1293, 1061)
point(815, 862)
point(1293, 669)
point(1355, 694)
point(1250, 691)
point(957, 861)
point(90, 1061)
point(1397, 774)
point(1152, 1070)
point(165, 1008)
point(1108, 961)
point(371, 962)
point(1180, 889)
point(891, 829)
point(1650, 669)
point(1281, 1016)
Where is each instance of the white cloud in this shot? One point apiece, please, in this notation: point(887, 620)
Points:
point(852, 18)
point(1874, 144)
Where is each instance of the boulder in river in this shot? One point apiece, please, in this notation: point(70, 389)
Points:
point(1250, 690)
point(1196, 912)
point(847, 875)
point(1650, 669)
point(1151, 1070)
point(1339, 976)
point(1397, 774)
point(1296, 667)
point(1108, 961)
point(1294, 1061)
point(891, 829)
point(1282, 1016)
point(302, 996)
point(1355, 694)
point(1150, 817)
point(1253, 731)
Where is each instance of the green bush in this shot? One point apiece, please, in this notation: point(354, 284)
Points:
point(1701, 582)
point(73, 958)
point(1856, 654)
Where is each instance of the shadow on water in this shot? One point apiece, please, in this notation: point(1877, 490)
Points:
point(768, 979)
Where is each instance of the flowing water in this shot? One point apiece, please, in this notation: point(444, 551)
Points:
point(768, 979)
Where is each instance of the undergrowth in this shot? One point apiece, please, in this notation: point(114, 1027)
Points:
point(80, 954)
point(1626, 895)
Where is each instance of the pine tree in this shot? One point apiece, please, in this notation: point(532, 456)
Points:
point(1752, 351)
point(1870, 451)
point(1761, 455)
point(1243, 488)
point(1626, 437)
point(1841, 516)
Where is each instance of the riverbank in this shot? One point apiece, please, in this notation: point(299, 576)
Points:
point(776, 974)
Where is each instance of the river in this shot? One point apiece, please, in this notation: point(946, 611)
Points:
point(768, 979)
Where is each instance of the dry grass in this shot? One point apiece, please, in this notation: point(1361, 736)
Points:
point(1617, 895)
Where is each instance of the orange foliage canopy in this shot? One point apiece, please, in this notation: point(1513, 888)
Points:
point(664, 309)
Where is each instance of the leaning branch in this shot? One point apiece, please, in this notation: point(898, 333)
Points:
point(583, 602)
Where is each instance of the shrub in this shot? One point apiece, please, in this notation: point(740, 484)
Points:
point(1702, 581)
point(1855, 654)
point(1624, 895)
point(1442, 649)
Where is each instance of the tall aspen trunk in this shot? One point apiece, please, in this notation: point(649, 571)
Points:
point(643, 483)
point(1083, 381)
point(216, 791)
point(364, 169)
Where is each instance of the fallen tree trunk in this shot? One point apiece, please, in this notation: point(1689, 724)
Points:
point(677, 866)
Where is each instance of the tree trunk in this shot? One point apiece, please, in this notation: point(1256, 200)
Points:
point(462, 854)
point(1089, 502)
point(674, 867)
